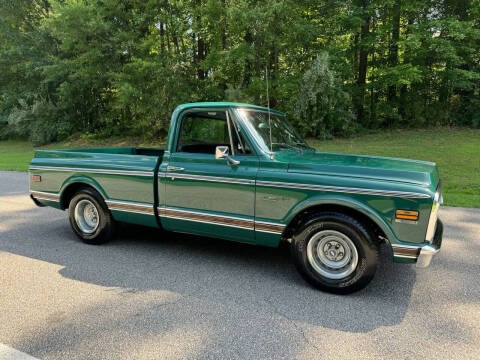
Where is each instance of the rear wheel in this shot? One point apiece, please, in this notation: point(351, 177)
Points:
point(335, 253)
point(90, 218)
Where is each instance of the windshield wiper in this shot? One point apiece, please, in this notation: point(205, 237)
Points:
point(288, 146)
point(305, 146)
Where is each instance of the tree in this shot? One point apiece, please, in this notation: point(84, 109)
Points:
point(109, 67)
point(323, 107)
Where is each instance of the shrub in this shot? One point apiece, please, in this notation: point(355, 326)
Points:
point(42, 123)
point(323, 107)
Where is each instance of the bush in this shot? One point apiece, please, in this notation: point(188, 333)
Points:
point(42, 123)
point(323, 107)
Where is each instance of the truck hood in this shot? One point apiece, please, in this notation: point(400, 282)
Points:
point(422, 173)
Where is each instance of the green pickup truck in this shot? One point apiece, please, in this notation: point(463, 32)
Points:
point(241, 172)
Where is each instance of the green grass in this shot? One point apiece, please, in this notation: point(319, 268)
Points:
point(456, 151)
point(15, 155)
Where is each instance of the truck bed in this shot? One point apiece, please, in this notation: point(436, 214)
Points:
point(126, 158)
point(124, 174)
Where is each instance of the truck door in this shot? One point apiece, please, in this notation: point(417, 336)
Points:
point(205, 195)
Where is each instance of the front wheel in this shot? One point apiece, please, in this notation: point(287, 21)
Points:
point(335, 253)
point(89, 217)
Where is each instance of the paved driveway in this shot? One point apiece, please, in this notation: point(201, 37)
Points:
point(156, 295)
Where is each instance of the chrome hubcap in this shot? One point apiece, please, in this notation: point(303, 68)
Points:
point(332, 254)
point(86, 216)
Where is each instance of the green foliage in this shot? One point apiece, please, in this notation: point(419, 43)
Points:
point(120, 67)
point(323, 108)
point(42, 123)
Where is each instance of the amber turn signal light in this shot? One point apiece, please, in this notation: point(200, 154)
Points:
point(406, 215)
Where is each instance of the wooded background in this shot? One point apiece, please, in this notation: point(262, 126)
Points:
point(119, 67)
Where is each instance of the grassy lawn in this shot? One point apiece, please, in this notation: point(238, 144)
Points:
point(456, 151)
point(15, 155)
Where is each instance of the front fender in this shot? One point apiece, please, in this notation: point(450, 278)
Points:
point(346, 202)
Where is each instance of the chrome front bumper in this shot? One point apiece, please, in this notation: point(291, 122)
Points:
point(428, 251)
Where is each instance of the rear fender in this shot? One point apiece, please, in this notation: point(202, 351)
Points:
point(76, 180)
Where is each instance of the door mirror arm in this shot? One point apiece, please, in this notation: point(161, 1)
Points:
point(221, 152)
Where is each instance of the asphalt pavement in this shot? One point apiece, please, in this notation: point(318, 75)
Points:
point(156, 295)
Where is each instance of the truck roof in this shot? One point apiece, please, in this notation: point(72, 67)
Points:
point(225, 104)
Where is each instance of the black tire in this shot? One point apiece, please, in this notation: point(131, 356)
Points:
point(329, 224)
point(105, 227)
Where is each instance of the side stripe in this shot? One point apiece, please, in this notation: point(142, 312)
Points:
point(94, 171)
point(147, 209)
point(286, 185)
point(270, 228)
point(206, 218)
point(210, 178)
point(410, 195)
point(130, 207)
point(222, 220)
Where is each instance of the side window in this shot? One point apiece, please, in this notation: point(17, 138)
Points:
point(203, 132)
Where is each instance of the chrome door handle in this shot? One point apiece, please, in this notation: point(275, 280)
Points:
point(174, 168)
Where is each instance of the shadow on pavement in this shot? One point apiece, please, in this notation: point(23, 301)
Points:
point(143, 259)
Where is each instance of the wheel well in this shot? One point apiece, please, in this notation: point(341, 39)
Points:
point(378, 235)
point(71, 190)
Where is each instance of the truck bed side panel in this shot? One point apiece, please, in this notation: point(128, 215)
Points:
point(125, 181)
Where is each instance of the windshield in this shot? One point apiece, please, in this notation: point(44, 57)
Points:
point(283, 135)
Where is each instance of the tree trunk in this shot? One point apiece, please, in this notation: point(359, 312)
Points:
point(393, 51)
point(247, 74)
point(200, 57)
point(162, 38)
point(363, 63)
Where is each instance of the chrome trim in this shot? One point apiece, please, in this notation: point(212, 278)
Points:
point(423, 254)
point(131, 207)
point(230, 134)
point(94, 171)
point(201, 213)
point(44, 199)
point(432, 221)
point(405, 256)
point(206, 218)
point(401, 246)
point(269, 227)
point(404, 221)
point(405, 251)
point(41, 195)
point(210, 178)
point(207, 222)
point(174, 168)
point(410, 195)
point(426, 254)
point(222, 220)
point(269, 232)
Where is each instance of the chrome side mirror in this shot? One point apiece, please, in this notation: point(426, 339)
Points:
point(221, 152)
